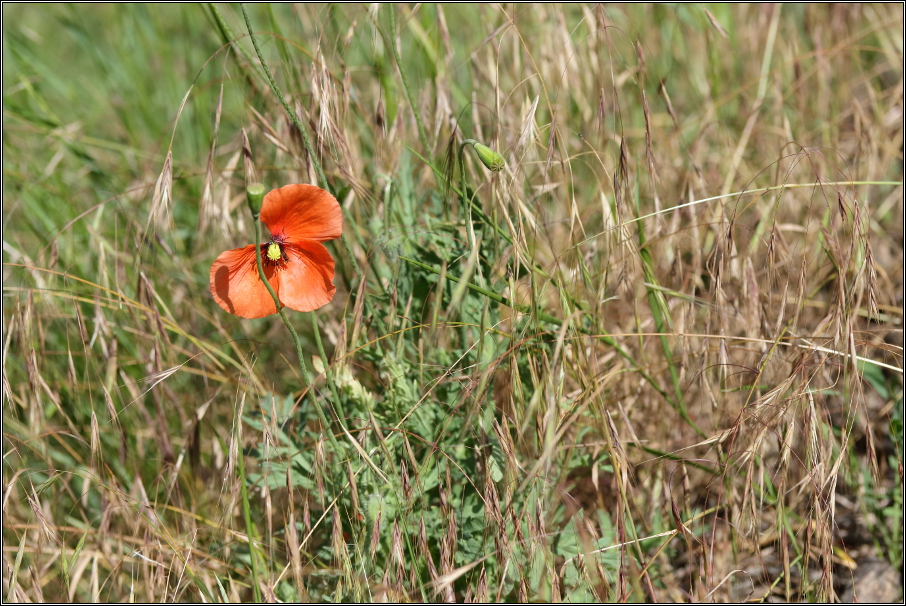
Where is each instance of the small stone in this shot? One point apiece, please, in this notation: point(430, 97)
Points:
point(874, 581)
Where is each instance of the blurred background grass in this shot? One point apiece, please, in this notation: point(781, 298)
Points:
point(725, 378)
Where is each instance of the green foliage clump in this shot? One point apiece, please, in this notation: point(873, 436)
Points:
point(643, 335)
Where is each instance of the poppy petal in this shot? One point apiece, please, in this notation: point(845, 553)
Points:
point(302, 212)
point(306, 279)
point(236, 286)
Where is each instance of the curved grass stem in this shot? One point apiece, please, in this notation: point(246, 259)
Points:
point(322, 178)
point(422, 134)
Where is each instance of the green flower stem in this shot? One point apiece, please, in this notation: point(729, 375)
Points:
point(491, 222)
point(462, 169)
point(466, 198)
point(322, 178)
point(302, 366)
point(494, 162)
point(247, 514)
point(462, 187)
point(337, 405)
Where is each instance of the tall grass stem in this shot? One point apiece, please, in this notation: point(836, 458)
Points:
point(405, 79)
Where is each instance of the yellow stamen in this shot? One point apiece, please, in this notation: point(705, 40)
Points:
point(273, 251)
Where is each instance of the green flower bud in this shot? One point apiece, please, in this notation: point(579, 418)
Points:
point(491, 159)
point(254, 194)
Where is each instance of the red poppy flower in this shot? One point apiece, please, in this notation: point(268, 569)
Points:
point(297, 265)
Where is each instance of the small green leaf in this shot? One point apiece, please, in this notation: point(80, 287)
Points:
point(494, 469)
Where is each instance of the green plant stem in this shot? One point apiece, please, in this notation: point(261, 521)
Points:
point(302, 366)
point(660, 312)
point(465, 198)
point(422, 134)
point(337, 405)
point(672, 457)
point(322, 178)
point(246, 511)
point(460, 157)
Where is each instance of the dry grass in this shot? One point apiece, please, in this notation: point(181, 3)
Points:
point(678, 376)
